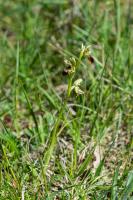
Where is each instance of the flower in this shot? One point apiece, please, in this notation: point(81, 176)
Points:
point(76, 87)
point(71, 65)
point(85, 51)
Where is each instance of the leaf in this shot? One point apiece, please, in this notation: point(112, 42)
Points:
point(129, 186)
point(114, 184)
point(99, 168)
point(97, 154)
point(85, 164)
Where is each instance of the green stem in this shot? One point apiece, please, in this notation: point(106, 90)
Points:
point(69, 86)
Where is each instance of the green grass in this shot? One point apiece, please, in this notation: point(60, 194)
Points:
point(54, 142)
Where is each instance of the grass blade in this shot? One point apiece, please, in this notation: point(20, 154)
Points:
point(129, 186)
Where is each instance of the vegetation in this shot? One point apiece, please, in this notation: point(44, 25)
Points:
point(66, 99)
